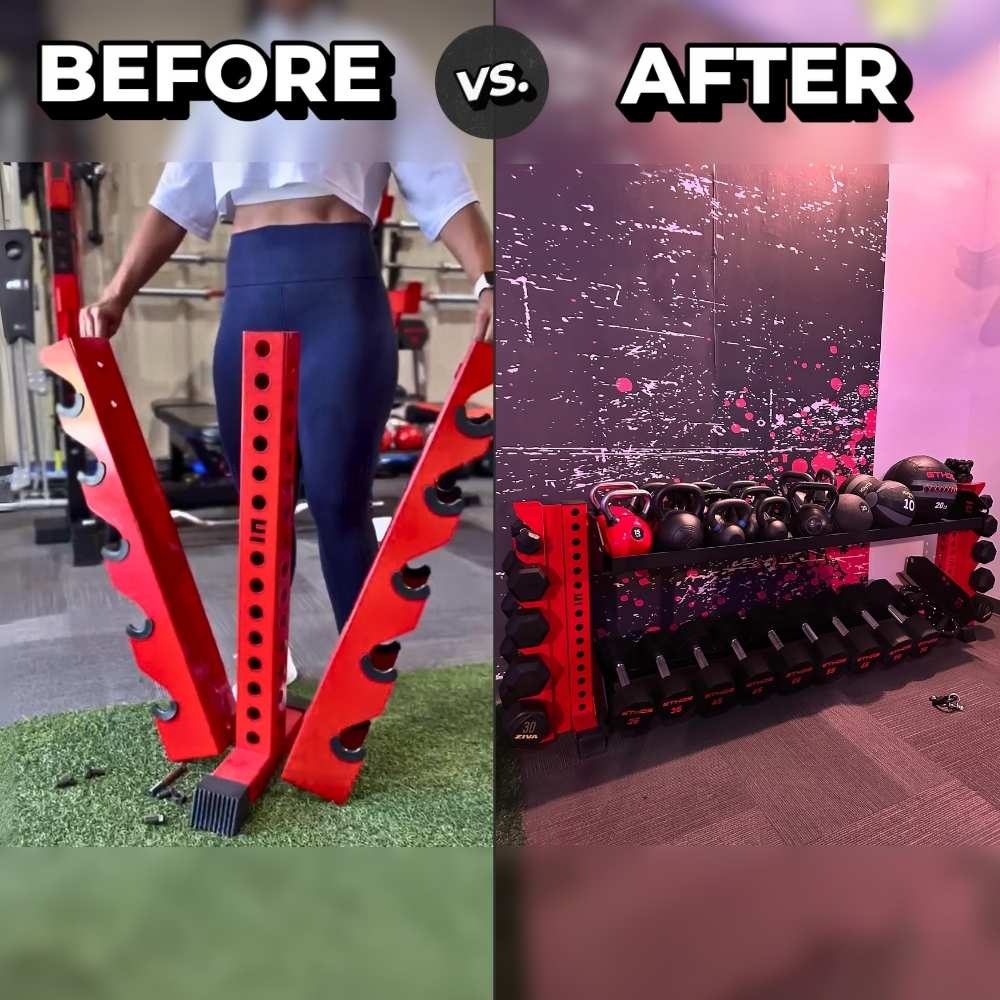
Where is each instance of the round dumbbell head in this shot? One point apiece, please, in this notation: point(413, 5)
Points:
point(931, 482)
point(527, 541)
point(524, 678)
point(981, 580)
point(896, 505)
point(984, 551)
point(852, 514)
point(989, 528)
point(524, 723)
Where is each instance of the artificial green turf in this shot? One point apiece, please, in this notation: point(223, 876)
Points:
point(427, 781)
point(508, 828)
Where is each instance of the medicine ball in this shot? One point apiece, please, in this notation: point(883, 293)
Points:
point(862, 486)
point(852, 514)
point(895, 507)
point(931, 482)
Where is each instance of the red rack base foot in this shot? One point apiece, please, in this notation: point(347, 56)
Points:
point(223, 798)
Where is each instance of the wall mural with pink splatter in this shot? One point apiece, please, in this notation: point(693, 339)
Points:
point(707, 322)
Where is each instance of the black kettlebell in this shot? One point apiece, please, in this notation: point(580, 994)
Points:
point(712, 494)
point(752, 494)
point(726, 521)
point(811, 516)
point(704, 486)
point(788, 481)
point(773, 514)
point(736, 488)
point(678, 510)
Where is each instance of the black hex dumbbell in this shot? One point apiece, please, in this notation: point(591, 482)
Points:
point(631, 701)
point(525, 581)
point(655, 655)
point(526, 627)
point(792, 662)
point(525, 540)
point(896, 644)
point(883, 596)
point(981, 580)
point(751, 669)
point(713, 680)
point(984, 551)
point(864, 649)
point(525, 677)
point(830, 653)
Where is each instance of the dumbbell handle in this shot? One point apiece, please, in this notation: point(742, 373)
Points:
point(868, 619)
point(737, 647)
point(700, 658)
point(775, 641)
point(897, 614)
point(840, 626)
point(808, 632)
point(661, 666)
point(622, 674)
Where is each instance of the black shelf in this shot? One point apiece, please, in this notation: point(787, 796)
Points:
point(759, 550)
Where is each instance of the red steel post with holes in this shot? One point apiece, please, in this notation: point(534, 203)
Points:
point(953, 553)
point(175, 645)
point(328, 753)
point(264, 724)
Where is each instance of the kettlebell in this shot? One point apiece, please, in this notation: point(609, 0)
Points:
point(703, 486)
point(622, 531)
point(773, 514)
point(788, 481)
point(712, 494)
point(677, 512)
point(737, 488)
point(811, 516)
point(604, 487)
point(726, 521)
point(752, 494)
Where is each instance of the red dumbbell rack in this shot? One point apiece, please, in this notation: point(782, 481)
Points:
point(265, 726)
point(569, 698)
point(329, 751)
point(572, 706)
point(175, 646)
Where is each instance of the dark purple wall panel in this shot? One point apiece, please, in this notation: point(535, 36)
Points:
point(691, 323)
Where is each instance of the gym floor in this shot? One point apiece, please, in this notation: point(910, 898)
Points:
point(863, 762)
point(62, 627)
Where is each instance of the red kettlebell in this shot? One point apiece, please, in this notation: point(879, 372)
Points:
point(408, 438)
point(622, 531)
point(386, 440)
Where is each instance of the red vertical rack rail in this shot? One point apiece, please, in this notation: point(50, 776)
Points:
point(953, 553)
point(328, 753)
point(268, 457)
point(175, 646)
point(570, 697)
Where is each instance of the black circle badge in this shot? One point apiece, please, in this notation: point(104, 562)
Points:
point(492, 82)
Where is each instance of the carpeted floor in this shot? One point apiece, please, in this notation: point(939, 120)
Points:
point(866, 761)
point(427, 780)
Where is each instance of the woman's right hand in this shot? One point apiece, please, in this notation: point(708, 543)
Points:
point(103, 318)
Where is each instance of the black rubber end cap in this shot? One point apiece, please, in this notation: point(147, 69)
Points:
point(220, 806)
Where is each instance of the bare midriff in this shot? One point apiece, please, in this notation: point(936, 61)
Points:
point(295, 212)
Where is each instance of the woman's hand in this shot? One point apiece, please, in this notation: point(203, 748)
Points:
point(103, 318)
point(484, 317)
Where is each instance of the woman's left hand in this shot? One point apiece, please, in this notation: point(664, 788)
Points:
point(484, 317)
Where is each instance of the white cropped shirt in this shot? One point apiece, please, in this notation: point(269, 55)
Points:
point(195, 195)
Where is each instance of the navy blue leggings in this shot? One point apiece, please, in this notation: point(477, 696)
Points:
point(323, 281)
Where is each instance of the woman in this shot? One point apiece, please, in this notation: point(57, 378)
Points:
point(301, 258)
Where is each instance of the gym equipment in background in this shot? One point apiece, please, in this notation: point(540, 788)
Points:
point(631, 700)
point(894, 505)
point(674, 690)
point(830, 654)
point(896, 644)
point(793, 662)
point(726, 521)
point(884, 596)
point(813, 507)
point(175, 646)
point(713, 681)
point(852, 514)
point(754, 676)
point(622, 531)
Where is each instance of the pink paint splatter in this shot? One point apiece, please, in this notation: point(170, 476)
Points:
point(836, 384)
point(639, 602)
point(624, 384)
point(748, 415)
point(737, 429)
point(741, 402)
point(800, 465)
point(805, 364)
point(833, 348)
point(864, 391)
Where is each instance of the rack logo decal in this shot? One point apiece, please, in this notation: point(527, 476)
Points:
point(159, 80)
point(817, 82)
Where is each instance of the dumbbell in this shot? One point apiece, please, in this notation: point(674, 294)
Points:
point(924, 635)
point(525, 581)
point(982, 608)
point(984, 551)
point(713, 681)
point(526, 627)
point(525, 677)
point(631, 702)
point(792, 662)
point(989, 528)
point(830, 653)
point(864, 649)
point(896, 644)
point(674, 689)
point(526, 541)
point(751, 670)
point(981, 580)
point(524, 723)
